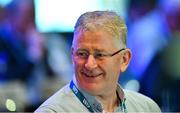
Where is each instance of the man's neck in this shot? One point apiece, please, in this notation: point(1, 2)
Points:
point(109, 102)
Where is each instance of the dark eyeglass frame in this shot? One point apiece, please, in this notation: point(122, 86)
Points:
point(97, 56)
point(117, 52)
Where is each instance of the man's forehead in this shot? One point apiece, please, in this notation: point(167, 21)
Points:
point(92, 37)
point(95, 46)
point(98, 38)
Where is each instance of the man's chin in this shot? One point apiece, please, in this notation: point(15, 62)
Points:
point(92, 89)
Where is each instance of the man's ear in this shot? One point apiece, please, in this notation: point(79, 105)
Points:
point(125, 59)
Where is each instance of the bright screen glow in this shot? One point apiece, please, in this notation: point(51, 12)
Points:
point(61, 15)
point(3, 3)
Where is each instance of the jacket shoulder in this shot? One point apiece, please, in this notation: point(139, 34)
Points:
point(139, 102)
point(62, 101)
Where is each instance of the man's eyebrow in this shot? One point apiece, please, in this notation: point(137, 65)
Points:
point(95, 50)
point(82, 49)
point(99, 50)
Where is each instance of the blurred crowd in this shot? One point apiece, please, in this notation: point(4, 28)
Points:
point(34, 65)
point(31, 63)
point(154, 38)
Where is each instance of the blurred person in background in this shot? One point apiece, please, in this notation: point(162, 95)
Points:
point(21, 54)
point(154, 39)
point(31, 63)
point(148, 34)
point(99, 56)
point(163, 71)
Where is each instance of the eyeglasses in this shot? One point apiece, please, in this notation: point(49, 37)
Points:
point(84, 54)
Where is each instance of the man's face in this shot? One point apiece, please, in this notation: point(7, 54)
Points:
point(95, 75)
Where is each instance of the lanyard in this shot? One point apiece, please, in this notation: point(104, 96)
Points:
point(123, 106)
point(80, 96)
point(86, 103)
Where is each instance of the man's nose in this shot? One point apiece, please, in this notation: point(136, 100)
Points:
point(91, 62)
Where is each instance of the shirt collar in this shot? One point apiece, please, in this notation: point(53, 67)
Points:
point(93, 101)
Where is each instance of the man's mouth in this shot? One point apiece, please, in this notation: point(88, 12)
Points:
point(91, 75)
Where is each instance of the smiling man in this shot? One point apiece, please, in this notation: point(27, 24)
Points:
point(99, 56)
